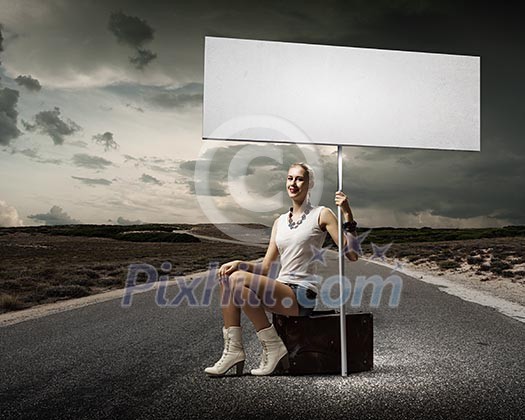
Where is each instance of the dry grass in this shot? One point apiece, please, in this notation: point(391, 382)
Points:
point(487, 258)
point(39, 268)
point(11, 303)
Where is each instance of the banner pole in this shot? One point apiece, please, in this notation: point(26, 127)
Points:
point(344, 370)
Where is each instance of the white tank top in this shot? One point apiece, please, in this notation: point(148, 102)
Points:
point(296, 249)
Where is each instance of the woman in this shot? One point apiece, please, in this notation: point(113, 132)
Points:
point(295, 237)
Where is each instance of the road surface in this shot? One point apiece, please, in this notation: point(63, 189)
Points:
point(435, 356)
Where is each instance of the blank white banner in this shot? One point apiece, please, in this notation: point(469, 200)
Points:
point(303, 93)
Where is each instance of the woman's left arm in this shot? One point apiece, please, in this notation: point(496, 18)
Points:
point(328, 220)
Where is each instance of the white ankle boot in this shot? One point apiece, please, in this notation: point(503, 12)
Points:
point(274, 352)
point(232, 355)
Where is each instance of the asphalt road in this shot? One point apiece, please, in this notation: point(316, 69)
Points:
point(435, 356)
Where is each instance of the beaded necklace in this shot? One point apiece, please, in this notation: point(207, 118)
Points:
point(291, 223)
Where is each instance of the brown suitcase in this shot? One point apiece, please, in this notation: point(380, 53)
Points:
point(314, 342)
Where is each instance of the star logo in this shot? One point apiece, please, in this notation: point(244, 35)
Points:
point(318, 254)
point(398, 267)
point(354, 243)
point(380, 251)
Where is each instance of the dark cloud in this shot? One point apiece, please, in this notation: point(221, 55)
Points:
point(55, 216)
point(29, 83)
point(148, 179)
point(130, 30)
point(456, 185)
point(174, 100)
point(106, 140)
point(8, 115)
point(134, 32)
point(264, 178)
point(449, 184)
point(90, 161)
point(264, 175)
point(482, 184)
point(92, 181)
point(142, 58)
point(378, 154)
point(186, 96)
point(125, 222)
point(50, 123)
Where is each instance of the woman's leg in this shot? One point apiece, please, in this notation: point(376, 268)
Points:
point(255, 293)
point(235, 296)
point(231, 313)
point(258, 293)
point(253, 309)
point(233, 354)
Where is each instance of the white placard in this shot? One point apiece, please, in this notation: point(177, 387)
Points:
point(304, 93)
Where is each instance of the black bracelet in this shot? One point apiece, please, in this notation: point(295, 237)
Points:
point(350, 226)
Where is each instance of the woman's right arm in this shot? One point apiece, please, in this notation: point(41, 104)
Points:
point(260, 268)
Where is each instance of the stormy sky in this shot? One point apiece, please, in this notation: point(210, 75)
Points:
point(101, 114)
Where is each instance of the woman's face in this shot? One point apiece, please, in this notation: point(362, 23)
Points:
point(297, 183)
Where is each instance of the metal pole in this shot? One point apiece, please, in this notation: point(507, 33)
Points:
point(344, 370)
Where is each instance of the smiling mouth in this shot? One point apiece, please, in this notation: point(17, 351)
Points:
point(294, 190)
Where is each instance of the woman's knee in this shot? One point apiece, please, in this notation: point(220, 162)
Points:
point(228, 284)
point(239, 279)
